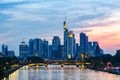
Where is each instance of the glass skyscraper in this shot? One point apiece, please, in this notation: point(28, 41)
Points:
point(83, 43)
point(23, 50)
point(5, 50)
point(69, 43)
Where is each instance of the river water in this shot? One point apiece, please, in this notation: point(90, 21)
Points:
point(55, 72)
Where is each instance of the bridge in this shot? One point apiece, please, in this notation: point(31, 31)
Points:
point(62, 63)
point(55, 62)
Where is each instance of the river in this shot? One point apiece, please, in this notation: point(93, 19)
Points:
point(55, 72)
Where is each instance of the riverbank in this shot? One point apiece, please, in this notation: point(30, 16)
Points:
point(10, 71)
point(55, 73)
point(117, 72)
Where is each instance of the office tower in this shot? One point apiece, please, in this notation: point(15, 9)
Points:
point(98, 52)
point(96, 48)
point(37, 47)
point(23, 50)
point(31, 50)
point(61, 52)
point(83, 43)
point(90, 50)
point(56, 47)
point(55, 43)
point(65, 39)
point(45, 49)
point(71, 45)
point(89, 45)
point(50, 52)
point(77, 55)
point(95, 44)
point(5, 50)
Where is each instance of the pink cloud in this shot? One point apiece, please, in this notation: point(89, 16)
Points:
point(103, 23)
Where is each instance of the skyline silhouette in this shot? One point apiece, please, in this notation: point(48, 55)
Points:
point(43, 19)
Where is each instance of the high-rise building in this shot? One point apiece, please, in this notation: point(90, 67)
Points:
point(56, 47)
point(83, 43)
point(23, 50)
point(95, 44)
point(37, 47)
point(50, 52)
point(71, 45)
point(45, 49)
point(97, 50)
point(77, 55)
point(65, 39)
point(61, 52)
point(5, 50)
point(55, 43)
point(31, 50)
point(90, 49)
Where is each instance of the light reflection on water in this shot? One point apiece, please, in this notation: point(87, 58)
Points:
point(55, 72)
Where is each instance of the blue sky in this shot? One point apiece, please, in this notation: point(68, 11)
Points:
point(26, 19)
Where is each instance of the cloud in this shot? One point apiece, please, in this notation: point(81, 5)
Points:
point(1, 42)
point(39, 18)
point(10, 1)
point(7, 40)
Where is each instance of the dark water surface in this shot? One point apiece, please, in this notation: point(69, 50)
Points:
point(55, 72)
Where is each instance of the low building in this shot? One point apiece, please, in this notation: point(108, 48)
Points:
point(11, 53)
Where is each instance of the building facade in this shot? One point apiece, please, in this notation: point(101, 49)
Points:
point(83, 43)
point(56, 48)
point(5, 50)
point(11, 53)
point(23, 50)
point(45, 49)
point(71, 45)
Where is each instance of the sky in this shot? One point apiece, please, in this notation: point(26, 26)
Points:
point(28, 19)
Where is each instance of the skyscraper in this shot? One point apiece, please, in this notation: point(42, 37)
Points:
point(90, 49)
point(83, 43)
point(50, 51)
point(71, 45)
point(95, 43)
point(97, 50)
point(56, 47)
point(37, 47)
point(5, 50)
point(65, 39)
point(45, 49)
point(55, 43)
point(23, 50)
point(31, 50)
point(62, 52)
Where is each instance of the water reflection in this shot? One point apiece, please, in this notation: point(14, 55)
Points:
point(55, 72)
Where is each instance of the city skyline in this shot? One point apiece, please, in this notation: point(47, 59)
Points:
point(43, 19)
